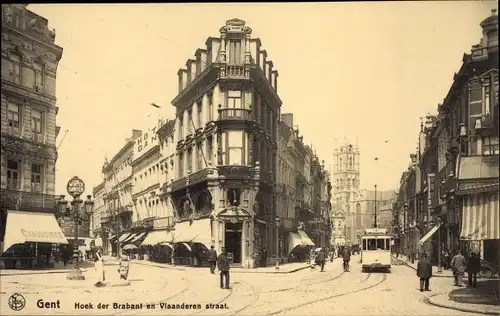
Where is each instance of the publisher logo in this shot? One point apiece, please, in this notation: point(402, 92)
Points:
point(17, 302)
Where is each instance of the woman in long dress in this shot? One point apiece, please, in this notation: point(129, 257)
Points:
point(124, 267)
point(99, 268)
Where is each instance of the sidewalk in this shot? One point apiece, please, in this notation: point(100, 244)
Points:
point(283, 269)
point(485, 299)
point(58, 268)
point(435, 273)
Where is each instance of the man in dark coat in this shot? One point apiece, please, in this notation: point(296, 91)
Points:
point(223, 265)
point(347, 257)
point(321, 259)
point(473, 268)
point(424, 272)
point(212, 259)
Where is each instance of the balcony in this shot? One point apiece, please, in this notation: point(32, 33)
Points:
point(234, 71)
point(28, 201)
point(235, 115)
point(484, 126)
point(197, 177)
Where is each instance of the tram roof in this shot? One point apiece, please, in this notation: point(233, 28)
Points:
point(375, 232)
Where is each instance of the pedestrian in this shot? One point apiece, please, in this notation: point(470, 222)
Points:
point(473, 268)
point(424, 272)
point(446, 259)
point(223, 265)
point(99, 268)
point(124, 267)
point(212, 259)
point(332, 254)
point(346, 256)
point(321, 259)
point(412, 255)
point(458, 266)
point(264, 258)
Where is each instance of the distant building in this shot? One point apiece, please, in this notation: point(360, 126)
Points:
point(346, 184)
point(28, 122)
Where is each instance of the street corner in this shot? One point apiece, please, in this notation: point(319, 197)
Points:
point(444, 301)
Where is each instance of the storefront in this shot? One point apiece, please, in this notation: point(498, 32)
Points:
point(28, 232)
point(299, 245)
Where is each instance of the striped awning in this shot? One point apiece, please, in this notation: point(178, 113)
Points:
point(480, 217)
point(430, 233)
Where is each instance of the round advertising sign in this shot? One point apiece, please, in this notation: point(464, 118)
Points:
point(75, 187)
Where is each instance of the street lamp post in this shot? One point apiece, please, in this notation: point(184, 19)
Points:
point(277, 243)
point(375, 225)
point(440, 269)
point(172, 259)
point(75, 188)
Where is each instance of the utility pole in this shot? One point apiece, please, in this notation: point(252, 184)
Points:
point(375, 225)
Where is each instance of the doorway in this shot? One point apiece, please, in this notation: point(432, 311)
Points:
point(233, 240)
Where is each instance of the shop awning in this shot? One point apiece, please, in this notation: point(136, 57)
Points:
point(480, 217)
point(199, 231)
point(156, 237)
point(294, 241)
point(112, 238)
point(188, 246)
point(169, 245)
point(138, 237)
point(305, 239)
point(123, 237)
point(22, 227)
point(129, 239)
point(429, 233)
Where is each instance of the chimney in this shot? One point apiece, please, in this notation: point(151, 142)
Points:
point(287, 118)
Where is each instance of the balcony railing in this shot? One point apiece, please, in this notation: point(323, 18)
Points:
point(235, 114)
point(28, 201)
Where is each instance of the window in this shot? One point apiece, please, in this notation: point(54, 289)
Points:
point(190, 120)
point(199, 118)
point(181, 127)
point(37, 124)
point(13, 175)
point(181, 165)
point(235, 52)
point(209, 149)
point(38, 76)
point(490, 146)
point(235, 147)
point(473, 146)
point(36, 178)
point(210, 107)
point(199, 157)
point(15, 68)
point(234, 102)
point(475, 104)
point(189, 158)
point(13, 119)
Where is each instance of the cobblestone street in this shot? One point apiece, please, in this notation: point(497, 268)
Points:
point(306, 292)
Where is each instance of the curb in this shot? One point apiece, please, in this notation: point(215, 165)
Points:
point(430, 301)
point(34, 272)
point(433, 275)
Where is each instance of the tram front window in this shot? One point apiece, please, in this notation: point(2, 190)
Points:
point(371, 244)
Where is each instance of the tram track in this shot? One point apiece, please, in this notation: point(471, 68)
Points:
point(382, 280)
point(315, 282)
point(255, 298)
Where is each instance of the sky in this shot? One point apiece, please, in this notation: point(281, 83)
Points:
point(365, 71)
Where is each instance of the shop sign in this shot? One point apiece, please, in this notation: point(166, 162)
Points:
point(162, 222)
point(41, 234)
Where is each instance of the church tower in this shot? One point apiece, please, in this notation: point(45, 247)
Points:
point(346, 182)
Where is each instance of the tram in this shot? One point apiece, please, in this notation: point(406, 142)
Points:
point(375, 249)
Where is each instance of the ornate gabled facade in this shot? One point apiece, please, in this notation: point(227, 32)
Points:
point(226, 131)
point(28, 112)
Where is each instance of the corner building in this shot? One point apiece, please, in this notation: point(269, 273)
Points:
point(30, 58)
point(223, 184)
